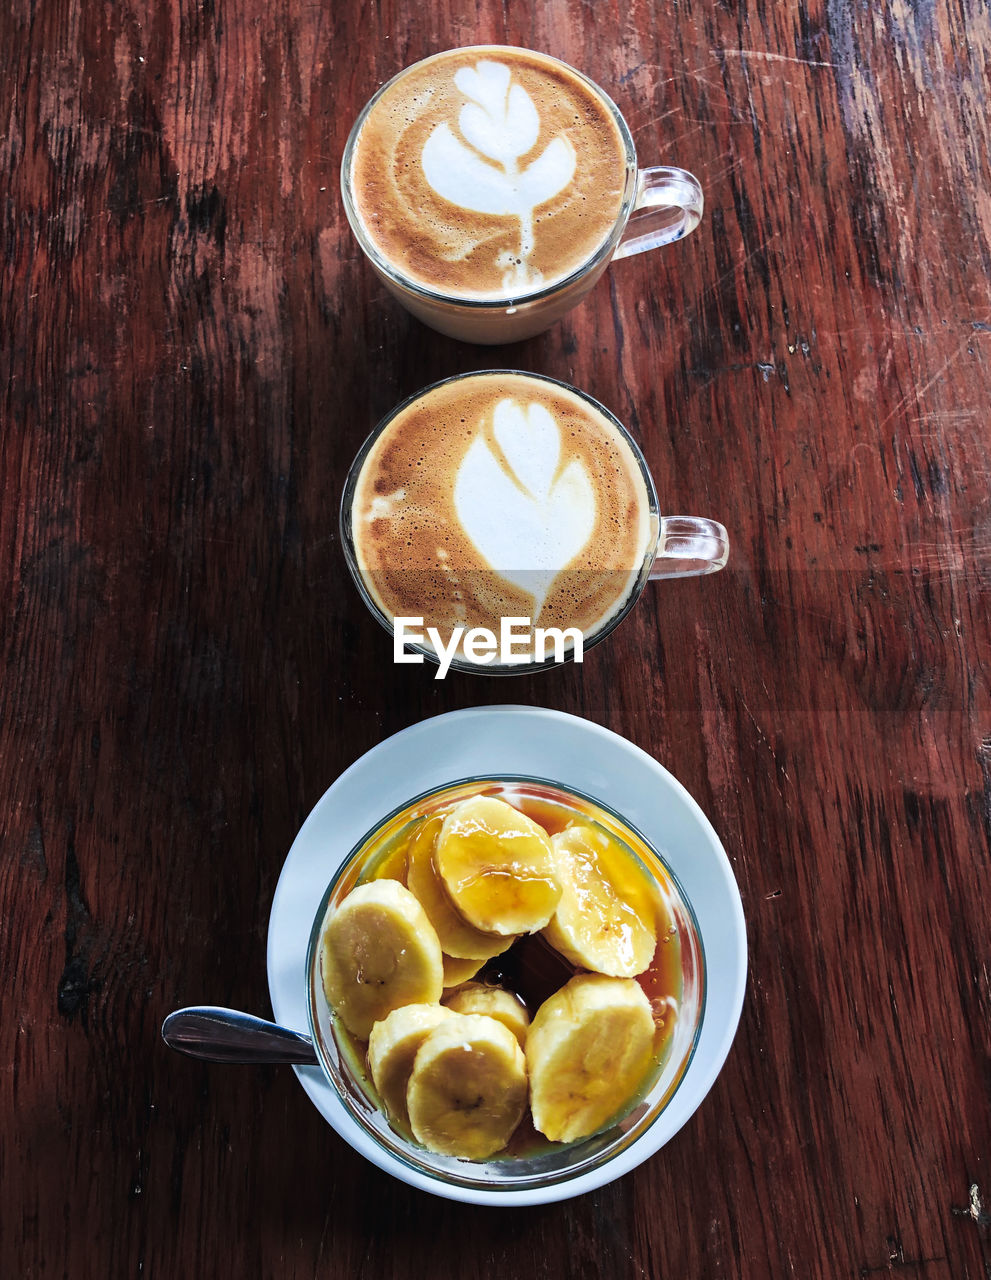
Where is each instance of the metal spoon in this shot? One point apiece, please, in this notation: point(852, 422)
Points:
point(226, 1035)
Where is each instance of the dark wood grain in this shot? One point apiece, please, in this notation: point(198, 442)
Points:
point(191, 350)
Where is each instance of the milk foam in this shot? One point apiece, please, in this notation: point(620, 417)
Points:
point(501, 495)
point(465, 179)
point(502, 124)
point(526, 520)
point(489, 172)
point(500, 121)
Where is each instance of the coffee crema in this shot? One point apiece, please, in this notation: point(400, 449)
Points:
point(488, 173)
point(499, 495)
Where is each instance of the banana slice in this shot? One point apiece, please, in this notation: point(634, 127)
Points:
point(494, 1002)
point(458, 971)
point(467, 1092)
point(379, 952)
point(393, 1045)
point(457, 938)
point(595, 926)
point(588, 1051)
point(497, 865)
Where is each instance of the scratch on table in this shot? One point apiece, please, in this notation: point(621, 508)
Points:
point(763, 56)
point(949, 417)
point(760, 731)
point(919, 392)
point(672, 111)
point(938, 557)
point(679, 138)
point(715, 177)
point(694, 72)
point(738, 266)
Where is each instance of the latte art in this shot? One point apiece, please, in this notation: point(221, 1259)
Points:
point(501, 124)
point(526, 516)
point(501, 495)
point(488, 172)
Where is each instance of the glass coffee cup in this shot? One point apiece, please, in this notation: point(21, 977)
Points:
point(504, 495)
point(490, 187)
point(674, 982)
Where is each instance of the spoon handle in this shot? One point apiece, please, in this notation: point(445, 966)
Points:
point(226, 1035)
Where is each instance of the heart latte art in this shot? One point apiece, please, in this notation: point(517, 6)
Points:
point(488, 172)
point(501, 495)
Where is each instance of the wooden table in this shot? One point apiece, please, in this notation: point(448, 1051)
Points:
point(192, 349)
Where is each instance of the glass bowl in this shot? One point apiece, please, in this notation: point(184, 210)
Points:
point(675, 983)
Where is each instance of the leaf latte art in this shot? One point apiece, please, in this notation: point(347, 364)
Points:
point(501, 495)
point(502, 124)
point(488, 172)
point(526, 517)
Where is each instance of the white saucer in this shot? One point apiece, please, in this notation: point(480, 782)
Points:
point(540, 743)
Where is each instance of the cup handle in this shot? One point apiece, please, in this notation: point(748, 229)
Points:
point(688, 547)
point(668, 206)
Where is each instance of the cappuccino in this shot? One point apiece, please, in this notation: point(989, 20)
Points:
point(488, 173)
point(500, 495)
